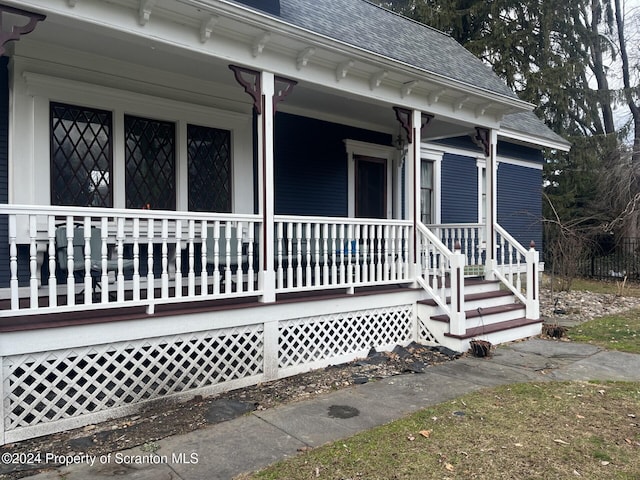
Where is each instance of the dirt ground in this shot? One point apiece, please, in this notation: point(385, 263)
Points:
point(163, 419)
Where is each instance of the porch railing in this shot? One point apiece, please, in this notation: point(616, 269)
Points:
point(338, 252)
point(517, 268)
point(471, 238)
point(441, 270)
point(71, 258)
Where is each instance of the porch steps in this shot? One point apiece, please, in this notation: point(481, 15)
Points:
point(492, 314)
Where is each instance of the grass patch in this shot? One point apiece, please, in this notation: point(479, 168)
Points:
point(525, 431)
point(617, 332)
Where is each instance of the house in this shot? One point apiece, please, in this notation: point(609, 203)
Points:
point(200, 195)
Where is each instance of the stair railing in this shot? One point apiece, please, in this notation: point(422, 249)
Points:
point(439, 267)
point(517, 268)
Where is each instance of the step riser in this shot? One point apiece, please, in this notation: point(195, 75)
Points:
point(495, 338)
point(470, 288)
point(481, 288)
point(495, 318)
point(428, 311)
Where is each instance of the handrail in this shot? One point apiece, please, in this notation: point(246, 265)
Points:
point(436, 262)
point(508, 269)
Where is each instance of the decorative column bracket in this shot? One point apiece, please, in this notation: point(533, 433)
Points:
point(483, 140)
point(283, 88)
point(403, 115)
point(250, 81)
point(17, 31)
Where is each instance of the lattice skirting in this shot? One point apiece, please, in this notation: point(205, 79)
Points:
point(424, 334)
point(45, 388)
point(313, 339)
point(51, 391)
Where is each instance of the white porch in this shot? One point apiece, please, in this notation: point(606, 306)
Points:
point(196, 313)
point(108, 308)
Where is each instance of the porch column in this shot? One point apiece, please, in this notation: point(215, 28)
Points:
point(266, 273)
point(413, 121)
point(266, 90)
point(414, 173)
point(488, 140)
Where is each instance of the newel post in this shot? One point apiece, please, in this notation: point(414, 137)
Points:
point(457, 317)
point(533, 282)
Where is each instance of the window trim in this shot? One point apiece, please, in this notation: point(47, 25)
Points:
point(357, 148)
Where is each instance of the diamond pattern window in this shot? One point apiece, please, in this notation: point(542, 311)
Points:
point(81, 156)
point(209, 157)
point(150, 161)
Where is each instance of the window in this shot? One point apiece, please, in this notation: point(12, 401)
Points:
point(150, 179)
point(209, 158)
point(426, 192)
point(83, 146)
point(81, 156)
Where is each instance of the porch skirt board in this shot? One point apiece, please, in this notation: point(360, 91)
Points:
point(50, 391)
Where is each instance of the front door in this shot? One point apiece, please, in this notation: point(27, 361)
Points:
point(371, 194)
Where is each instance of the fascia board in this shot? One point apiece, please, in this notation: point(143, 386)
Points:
point(534, 140)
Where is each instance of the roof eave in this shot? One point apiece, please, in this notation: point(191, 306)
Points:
point(561, 145)
point(264, 21)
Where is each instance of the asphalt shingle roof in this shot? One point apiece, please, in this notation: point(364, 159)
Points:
point(367, 26)
point(529, 123)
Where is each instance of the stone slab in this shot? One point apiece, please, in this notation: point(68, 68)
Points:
point(604, 365)
point(486, 372)
point(554, 348)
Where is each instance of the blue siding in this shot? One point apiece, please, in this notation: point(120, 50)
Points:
point(4, 169)
point(465, 142)
point(311, 173)
point(505, 149)
point(520, 203)
point(520, 152)
point(459, 189)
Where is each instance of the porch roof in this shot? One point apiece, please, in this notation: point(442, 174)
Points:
point(527, 127)
point(372, 28)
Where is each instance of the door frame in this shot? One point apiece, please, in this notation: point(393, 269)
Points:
point(383, 152)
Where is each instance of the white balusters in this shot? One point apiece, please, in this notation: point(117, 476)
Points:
point(191, 276)
point(120, 259)
point(308, 254)
point(216, 257)
point(250, 270)
point(88, 280)
point(204, 280)
point(238, 254)
point(227, 259)
point(33, 262)
point(104, 260)
point(71, 283)
point(178, 260)
point(279, 247)
point(150, 277)
point(164, 276)
point(53, 282)
point(136, 259)
point(13, 264)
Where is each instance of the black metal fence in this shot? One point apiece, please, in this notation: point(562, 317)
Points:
point(613, 261)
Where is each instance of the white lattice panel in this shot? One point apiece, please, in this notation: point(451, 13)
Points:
point(424, 335)
point(41, 388)
point(310, 339)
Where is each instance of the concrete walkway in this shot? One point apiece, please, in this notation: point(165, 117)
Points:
point(256, 440)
